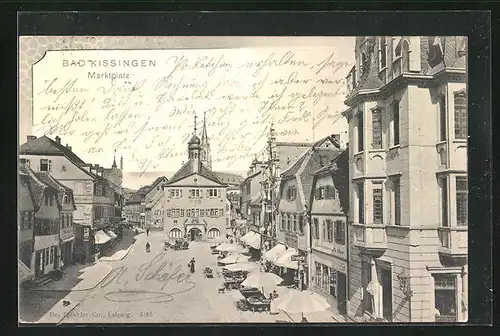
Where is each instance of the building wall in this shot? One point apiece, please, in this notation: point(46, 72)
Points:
point(413, 246)
point(295, 207)
point(184, 202)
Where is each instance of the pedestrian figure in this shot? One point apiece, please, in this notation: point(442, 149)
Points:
point(272, 308)
point(147, 232)
point(148, 247)
point(191, 265)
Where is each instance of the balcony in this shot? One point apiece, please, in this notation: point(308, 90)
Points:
point(371, 238)
point(453, 241)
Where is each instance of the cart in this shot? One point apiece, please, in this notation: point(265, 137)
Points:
point(209, 273)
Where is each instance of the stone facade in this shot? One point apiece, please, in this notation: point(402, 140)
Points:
point(408, 168)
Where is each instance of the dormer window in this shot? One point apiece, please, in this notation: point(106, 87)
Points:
point(291, 193)
point(45, 165)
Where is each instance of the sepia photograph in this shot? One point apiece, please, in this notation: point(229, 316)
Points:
point(242, 179)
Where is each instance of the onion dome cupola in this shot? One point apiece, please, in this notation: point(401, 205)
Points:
point(194, 145)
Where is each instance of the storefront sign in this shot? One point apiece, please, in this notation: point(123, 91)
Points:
point(298, 258)
point(89, 188)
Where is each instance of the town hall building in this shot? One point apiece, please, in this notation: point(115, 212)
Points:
point(195, 199)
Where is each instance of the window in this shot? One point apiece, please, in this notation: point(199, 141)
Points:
point(445, 297)
point(330, 192)
point(325, 286)
point(460, 102)
point(376, 129)
point(382, 53)
point(340, 232)
point(46, 257)
point(216, 212)
point(395, 125)
point(295, 222)
point(397, 200)
point(66, 198)
point(316, 228)
point(462, 191)
point(202, 212)
point(291, 193)
point(188, 212)
point(318, 274)
point(325, 233)
point(444, 202)
point(46, 199)
point(378, 207)
point(51, 254)
point(360, 131)
point(25, 161)
point(169, 212)
point(283, 221)
point(301, 223)
point(366, 277)
point(213, 193)
point(221, 212)
point(442, 118)
point(175, 193)
point(51, 200)
point(194, 193)
point(288, 222)
point(63, 219)
point(45, 165)
point(329, 230)
point(361, 203)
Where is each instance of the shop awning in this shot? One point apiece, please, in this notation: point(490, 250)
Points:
point(101, 237)
point(246, 236)
point(67, 240)
point(24, 272)
point(285, 260)
point(254, 240)
point(111, 234)
point(275, 252)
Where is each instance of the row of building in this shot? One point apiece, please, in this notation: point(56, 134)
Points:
point(69, 210)
point(378, 227)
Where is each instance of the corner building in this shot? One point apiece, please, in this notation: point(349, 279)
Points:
point(407, 115)
point(196, 205)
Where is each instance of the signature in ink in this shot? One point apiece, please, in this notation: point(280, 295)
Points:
point(157, 271)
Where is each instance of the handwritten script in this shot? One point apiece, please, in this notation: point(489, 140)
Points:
point(164, 278)
point(141, 103)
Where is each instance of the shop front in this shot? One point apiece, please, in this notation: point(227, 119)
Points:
point(329, 278)
point(46, 254)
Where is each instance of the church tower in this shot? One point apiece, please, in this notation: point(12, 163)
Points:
point(194, 149)
point(115, 174)
point(206, 157)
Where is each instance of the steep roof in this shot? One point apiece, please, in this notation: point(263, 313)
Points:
point(36, 186)
point(251, 177)
point(230, 178)
point(25, 198)
point(45, 145)
point(139, 195)
point(156, 182)
point(53, 183)
point(152, 203)
point(313, 159)
point(187, 170)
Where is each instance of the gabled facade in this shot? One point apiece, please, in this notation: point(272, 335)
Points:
point(407, 115)
point(329, 204)
point(26, 224)
point(67, 207)
point(47, 224)
point(155, 214)
point(295, 190)
point(195, 200)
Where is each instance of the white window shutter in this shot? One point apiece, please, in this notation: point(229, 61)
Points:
point(414, 62)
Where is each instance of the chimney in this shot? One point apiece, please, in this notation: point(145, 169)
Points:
point(31, 138)
point(58, 139)
point(68, 146)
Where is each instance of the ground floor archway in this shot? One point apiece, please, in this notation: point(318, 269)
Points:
point(213, 233)
point(194, 234)
point(175, 233)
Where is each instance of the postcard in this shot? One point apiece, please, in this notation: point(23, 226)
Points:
point(242, 179)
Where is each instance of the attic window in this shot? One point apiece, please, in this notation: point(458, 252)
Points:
point(45, 165)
